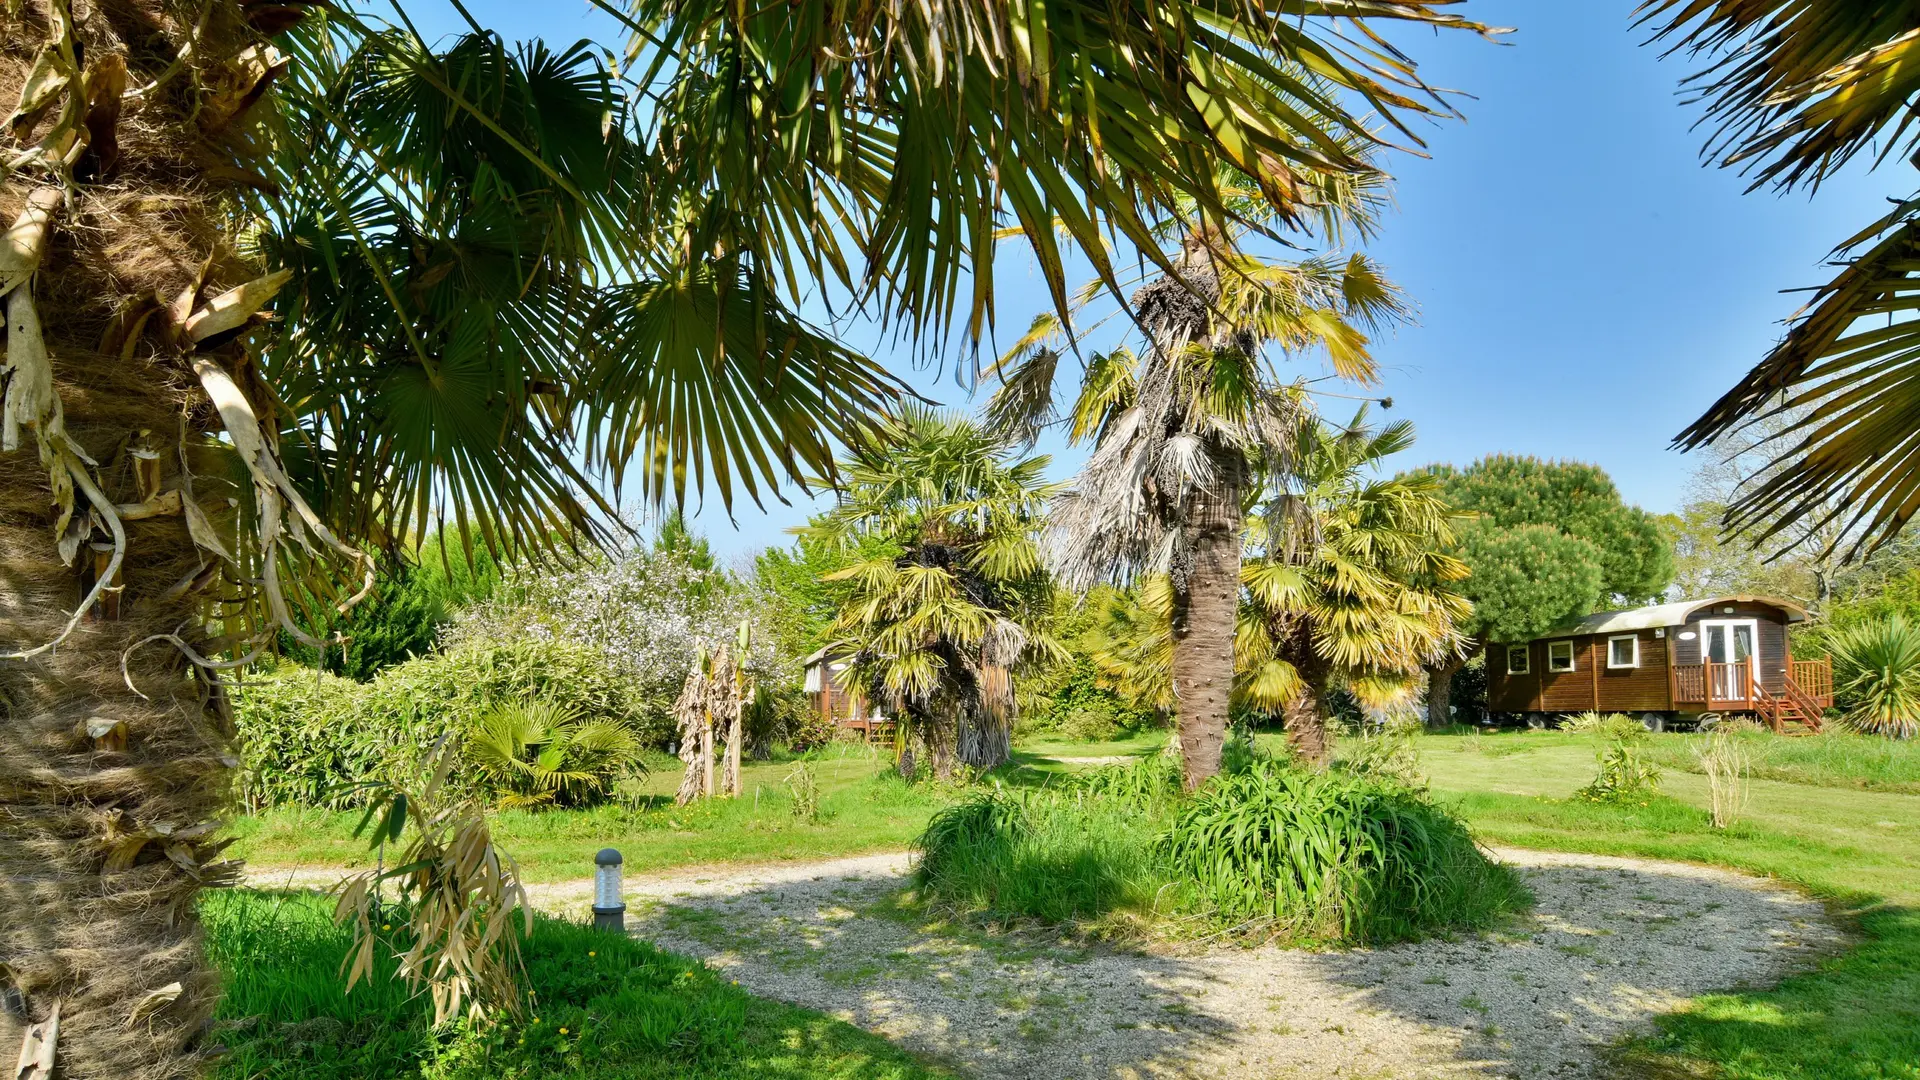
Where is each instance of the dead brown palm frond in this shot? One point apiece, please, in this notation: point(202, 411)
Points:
point(460, 899)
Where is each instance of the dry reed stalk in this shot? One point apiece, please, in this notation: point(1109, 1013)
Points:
point(1726, 763)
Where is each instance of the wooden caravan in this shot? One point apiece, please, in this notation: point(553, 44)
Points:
point(1667, 662)
point(845, 710)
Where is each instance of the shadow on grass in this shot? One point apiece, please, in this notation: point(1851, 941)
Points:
point(1856, 1018)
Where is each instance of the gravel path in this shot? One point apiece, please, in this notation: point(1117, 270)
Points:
point(1610, 943)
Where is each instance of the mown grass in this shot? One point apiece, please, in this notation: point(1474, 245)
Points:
point(1835, 759)
point(1856, 1017)
point(605, 1007)
point(862, 808)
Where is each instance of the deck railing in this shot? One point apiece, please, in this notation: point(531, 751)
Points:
point(1717, 686)
point(1734, 686)
point(1815, 678)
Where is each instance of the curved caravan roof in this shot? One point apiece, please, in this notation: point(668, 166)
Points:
point(1659, 615)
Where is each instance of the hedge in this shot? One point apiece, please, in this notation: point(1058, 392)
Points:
point(305, 734)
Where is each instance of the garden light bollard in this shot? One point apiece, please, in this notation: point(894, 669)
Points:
point(609, 911)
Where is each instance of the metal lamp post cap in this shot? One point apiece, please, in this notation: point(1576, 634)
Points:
point(607, 857)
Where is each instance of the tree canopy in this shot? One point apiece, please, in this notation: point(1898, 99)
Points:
point(1550, 540)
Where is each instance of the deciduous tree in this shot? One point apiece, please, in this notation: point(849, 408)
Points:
point(1549, 541)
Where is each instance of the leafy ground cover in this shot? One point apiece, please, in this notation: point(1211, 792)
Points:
point(861, 808)
point(605, 1007)
point(1855, 1018)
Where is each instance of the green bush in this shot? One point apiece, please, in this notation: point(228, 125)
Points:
point(1069, 699)
point(306, 734)
point(1274, 851)
point(1326, 856)
point(1876, 676)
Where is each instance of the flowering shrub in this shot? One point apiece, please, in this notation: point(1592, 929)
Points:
point(646, 611)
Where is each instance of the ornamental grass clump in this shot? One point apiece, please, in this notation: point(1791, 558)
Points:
point(1725, 761)
point(1283, 852)
point(1056, 856)
point(1876, 673)
point(1274, 851)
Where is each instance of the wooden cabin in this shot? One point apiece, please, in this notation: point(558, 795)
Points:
point(845, 710)
point(1668, 662)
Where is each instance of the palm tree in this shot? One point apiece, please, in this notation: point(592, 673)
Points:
point(1795, 90)
point(281, 293)
point(939, 625)
point(1179, 427)
point(1351, 584)
point(1345, 586)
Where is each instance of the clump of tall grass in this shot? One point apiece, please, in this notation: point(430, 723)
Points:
point(1606, 725)
point(803, 788)
point(1148, 783)
point(1389, 755)
point(1056, 855)
point(1332, 857)
point(1272, 850)
point(1876, 671)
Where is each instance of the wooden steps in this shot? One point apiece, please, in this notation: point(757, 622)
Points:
point(1791, 705)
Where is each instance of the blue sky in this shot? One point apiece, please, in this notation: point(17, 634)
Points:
point(1584, 286)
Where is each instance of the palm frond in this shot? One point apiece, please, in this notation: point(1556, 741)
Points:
point(1797, 88)
point(1847, 376)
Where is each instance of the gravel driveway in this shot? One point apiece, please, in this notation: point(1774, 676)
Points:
point(1610, 943)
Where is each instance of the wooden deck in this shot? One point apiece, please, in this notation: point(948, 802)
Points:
point(1803, 692)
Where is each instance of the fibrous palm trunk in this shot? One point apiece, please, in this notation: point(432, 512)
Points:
point(1204, 613)
point(1440, 691)
point(985, 740)
point(110, 798)
point(1305, 714)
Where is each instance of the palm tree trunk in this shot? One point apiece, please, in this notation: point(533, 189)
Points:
point(110, 799)
point(1305, 714)
point(1204, 614)
point(1440, 691)
point(986, 740)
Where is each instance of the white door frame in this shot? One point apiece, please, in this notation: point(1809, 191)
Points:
point(1725, 692)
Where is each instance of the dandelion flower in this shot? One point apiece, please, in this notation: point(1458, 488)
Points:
point(563, 1031)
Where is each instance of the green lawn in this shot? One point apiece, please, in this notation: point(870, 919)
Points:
point(863, 808)
point(1833, 815)
point(1855, 1018)
point(604, 1007)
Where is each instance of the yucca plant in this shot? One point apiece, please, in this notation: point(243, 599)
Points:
point(1624, 774)
point(1876, 674)
point(539, 753)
